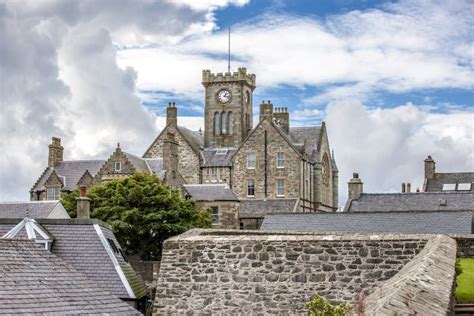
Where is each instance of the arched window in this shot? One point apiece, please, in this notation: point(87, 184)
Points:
point(326, 198)
point(216, 123)
point(230, 124)
point(223, 123)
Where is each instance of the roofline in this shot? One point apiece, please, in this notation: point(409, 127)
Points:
point(378, 212)
point(30, 202)
point(420, 193)
point(59, 221)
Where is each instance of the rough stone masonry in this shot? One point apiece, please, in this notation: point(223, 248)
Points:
point(252, 272)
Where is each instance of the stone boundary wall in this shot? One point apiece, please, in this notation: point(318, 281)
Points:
point(422, 287)
point(255, 272)
point(465, 245)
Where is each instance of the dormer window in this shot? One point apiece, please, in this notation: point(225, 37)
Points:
point(53, 193)
point(118, 166)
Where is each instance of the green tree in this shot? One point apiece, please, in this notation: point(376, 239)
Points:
point(142, 211)
point(320, 306)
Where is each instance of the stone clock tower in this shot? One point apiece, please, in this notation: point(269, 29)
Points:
point(228, 107)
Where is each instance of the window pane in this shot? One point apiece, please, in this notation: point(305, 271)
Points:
point(250, 161)
point(223, 123)
point(215, 214)
point(449, 186)
point(280, 160)
point(250, 188)
point(230, 124)
point(464, 186)
point(118, 166)
point(280, 187)
point(216, 123)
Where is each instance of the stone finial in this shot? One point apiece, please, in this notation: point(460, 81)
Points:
point(430, 168)
point(356, 187)
point(56, 152)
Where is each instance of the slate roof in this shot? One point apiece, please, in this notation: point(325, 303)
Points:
point(137, 162)
point(194, 138)
point(70, 171)
point(35, 281)
point(419, 222)
point(429, 201)
point(436, 184)
point(78, 242)
point(213, 157)
point(36, 209)
point(156, 166)
point(258, 208)
point(210, 192)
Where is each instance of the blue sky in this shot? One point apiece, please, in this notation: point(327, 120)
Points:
point(393, 80)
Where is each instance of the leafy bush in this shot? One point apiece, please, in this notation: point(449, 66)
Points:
point(320, 306)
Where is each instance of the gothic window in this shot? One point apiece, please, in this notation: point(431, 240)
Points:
point(251, 161)
point(223, 123)
point(280, 186)
point(250, 188)
point(215, 174)
point(216, 123)
point(215, 214)
point(230, 124)
point(53, 193)
point(118, 166)
point(280, 160)
point(326, 199)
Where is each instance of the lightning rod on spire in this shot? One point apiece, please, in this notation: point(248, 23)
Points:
point(228, 55)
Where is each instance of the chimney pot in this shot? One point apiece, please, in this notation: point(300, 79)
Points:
point(83, 191)
point(408, 187)
point(403, 187)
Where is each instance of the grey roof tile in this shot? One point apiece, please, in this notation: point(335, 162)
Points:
point(214, 157)
point(436, 184)
point(36, 281)
point(71, 172)
point(429, 201)
point(35, 209)
point(419, 222)
point(194, 138)
point(210, 192)
point(258, 208)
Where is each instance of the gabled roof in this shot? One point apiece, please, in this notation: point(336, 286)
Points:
point(418, 222)
point(35, 281)
point(85, 244)
point(195, 139)
point(429, 201)
point(210, 192)
point(138, 163)
point(258, 208)
point(32, 209)
point(71, 171)
point(217, 157)
point(436, 184)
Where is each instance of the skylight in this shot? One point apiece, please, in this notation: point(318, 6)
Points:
point(449, 186)
point(464, 186)
point(33, 231)
point(221, 151)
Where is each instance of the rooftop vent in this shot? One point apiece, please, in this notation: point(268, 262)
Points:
point(443, 202)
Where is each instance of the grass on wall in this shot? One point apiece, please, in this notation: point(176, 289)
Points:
point(465, 281)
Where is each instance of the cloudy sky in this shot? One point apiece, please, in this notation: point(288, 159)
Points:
point(392, 79)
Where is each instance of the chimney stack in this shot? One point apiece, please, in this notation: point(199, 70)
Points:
point(430, 168)
point(282, 118)
point(171, 114)
point(56, 152)
point(170, 155)
point(403, 187)
point(83, 203)
point(356, 187)
point(266, 110)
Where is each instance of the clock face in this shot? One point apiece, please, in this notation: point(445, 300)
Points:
point(223, 96)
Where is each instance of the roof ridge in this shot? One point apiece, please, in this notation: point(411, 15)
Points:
point(375, 212)
point(31, 202)
point(418, 193)
point(84, 160)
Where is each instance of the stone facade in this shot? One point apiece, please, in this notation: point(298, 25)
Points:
point(216, 175)
point(228, 213)
point(226, 272)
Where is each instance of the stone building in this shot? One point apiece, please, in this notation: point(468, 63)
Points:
point(446, 181)
point(269, 162)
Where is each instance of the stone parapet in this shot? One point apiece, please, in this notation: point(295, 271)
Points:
point(255, 272)
point(424, 286)
point(240, 75)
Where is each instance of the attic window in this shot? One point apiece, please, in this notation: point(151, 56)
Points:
point(112, 245)
point(464, 186)
point(221, 151)
point(449, 186)
point(53, 193)
point(118, 166)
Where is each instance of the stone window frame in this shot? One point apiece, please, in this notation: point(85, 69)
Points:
point(280, 162)
point(55, 195)
point(250, 187)
point(223, 123)
point(215, 214)
point(277, 187)
point(117, 166)
point(216, 123)
point(251, 162)
point(230, 123)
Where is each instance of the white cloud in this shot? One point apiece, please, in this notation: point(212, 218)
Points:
point(59, 77)
point(398, 48)
point(388, 146)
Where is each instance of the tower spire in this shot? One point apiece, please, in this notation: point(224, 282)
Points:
point(228, 54)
